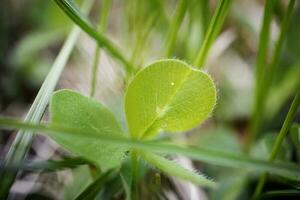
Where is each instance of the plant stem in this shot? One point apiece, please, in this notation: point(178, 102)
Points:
point(174, 27)
point(279, 139)
point(256, 121)
point(212, 32)
point(205, 15)
point(23, 139)
point(134, 177)
point(105, 7)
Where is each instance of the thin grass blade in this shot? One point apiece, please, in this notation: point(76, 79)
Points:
point(212, 32)
point(288, 170)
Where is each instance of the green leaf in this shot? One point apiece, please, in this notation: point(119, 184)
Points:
point(168, 95)
point(176, 170)
point(71, 109)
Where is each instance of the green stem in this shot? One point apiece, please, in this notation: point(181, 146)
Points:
point(279, 139)
point(95, 68)
point(174, 27)
point(105, 7)
point(212, 32)
point(21, 143)
point(134, 175)
point(205, 15)
point(256, 121)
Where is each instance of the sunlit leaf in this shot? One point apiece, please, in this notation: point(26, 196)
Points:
point(168, 95)
point(69, 108)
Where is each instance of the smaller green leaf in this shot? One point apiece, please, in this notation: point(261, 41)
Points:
point(71, 109)
point(173, 169)
point(168, 95)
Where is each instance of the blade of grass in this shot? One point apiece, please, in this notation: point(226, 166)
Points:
point(212, 32)
point(46, 166)
point(256, 120)
point(23, 138)
point(279, 139)
point(71, 9)
point(174, 27)
point(214, 157)
point(134, 175)
point(105, 7)
point(205, 15)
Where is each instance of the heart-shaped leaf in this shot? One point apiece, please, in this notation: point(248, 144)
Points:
point(168, 95)
point(71, 109)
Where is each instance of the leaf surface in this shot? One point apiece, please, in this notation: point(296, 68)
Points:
point(168, 95)
point(71, 109)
